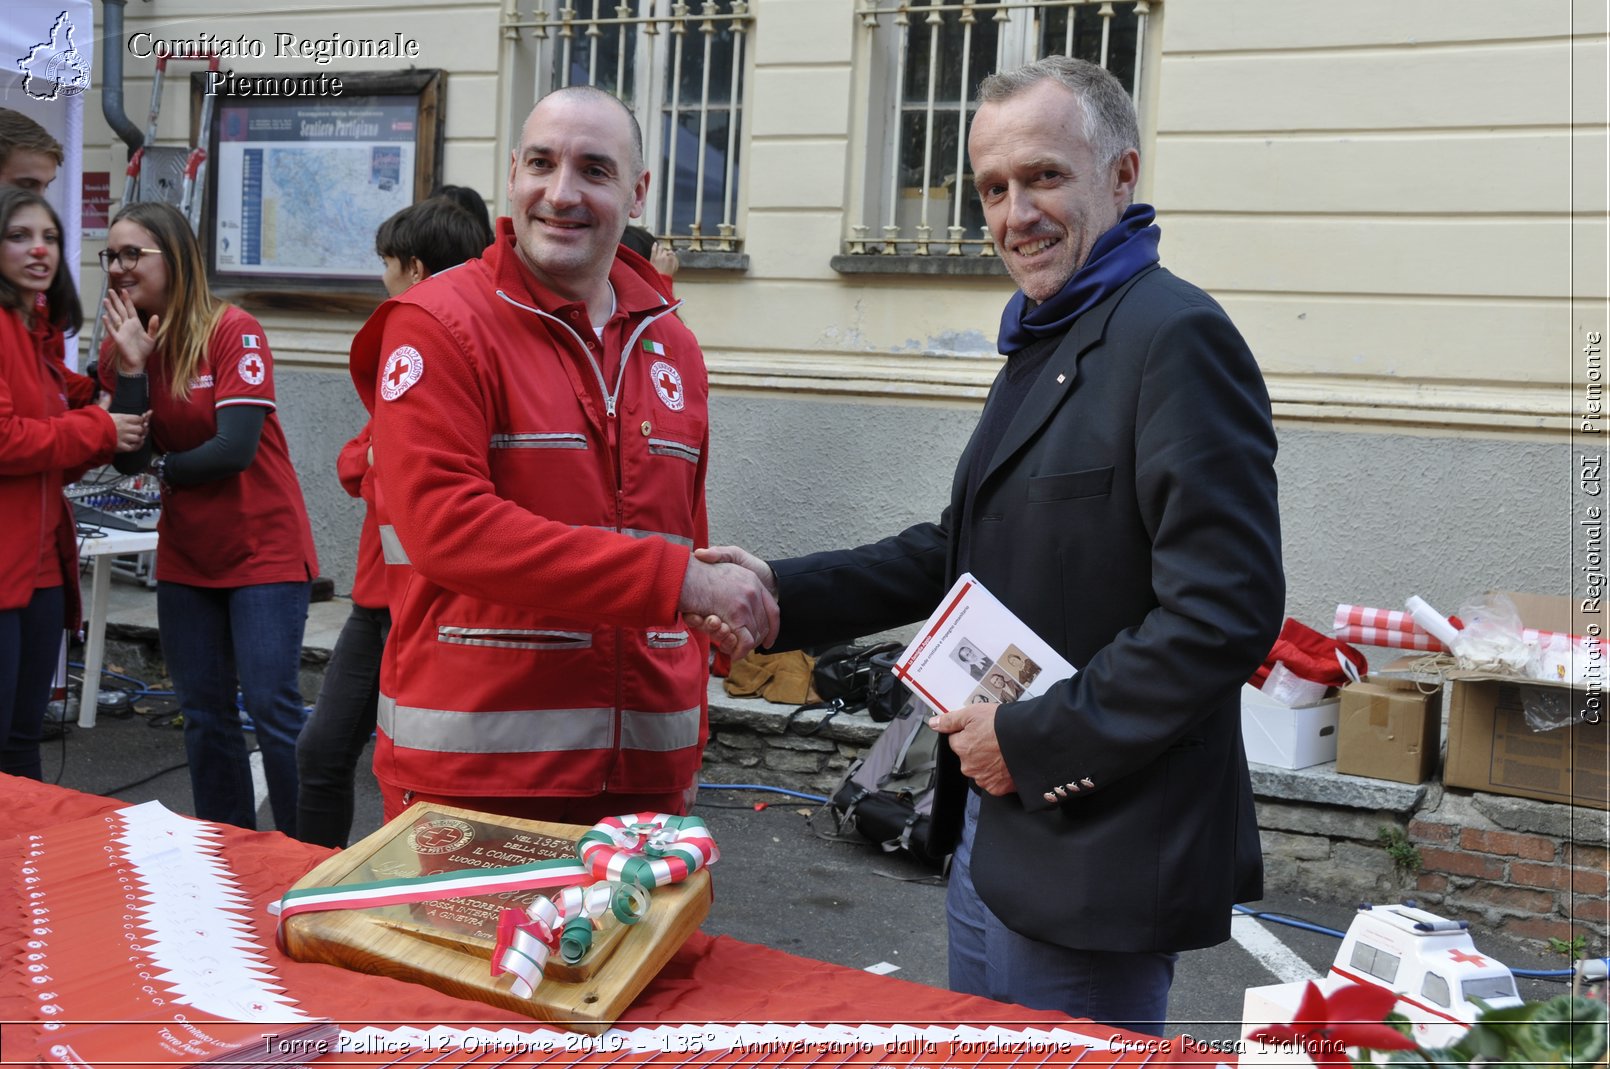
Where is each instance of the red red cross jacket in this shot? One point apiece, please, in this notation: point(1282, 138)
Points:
point(43, 443)
point(545, 491)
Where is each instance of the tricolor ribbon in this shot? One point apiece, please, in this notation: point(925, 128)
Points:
point(648, 849)
point(460, 884)
point(566, 922)
point(621, 860)
point(627, 856)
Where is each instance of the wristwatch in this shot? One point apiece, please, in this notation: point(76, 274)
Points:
point(159, 468)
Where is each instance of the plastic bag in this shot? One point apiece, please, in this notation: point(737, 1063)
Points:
point(1492, 639)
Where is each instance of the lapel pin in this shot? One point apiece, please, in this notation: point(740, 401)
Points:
point(1062, 378)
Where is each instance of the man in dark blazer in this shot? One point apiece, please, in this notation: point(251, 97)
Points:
point(1119, 496)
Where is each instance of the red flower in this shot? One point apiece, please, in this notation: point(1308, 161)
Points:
point(1351, 1017)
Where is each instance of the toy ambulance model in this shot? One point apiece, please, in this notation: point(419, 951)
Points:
point(1430, 963)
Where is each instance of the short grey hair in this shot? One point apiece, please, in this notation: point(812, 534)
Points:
point(1108, 112)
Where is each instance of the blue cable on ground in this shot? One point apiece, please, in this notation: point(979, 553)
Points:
point(1551, 974)
point(1293, 922)
point(762, 787)
point(142, 689)
point(1530, 974)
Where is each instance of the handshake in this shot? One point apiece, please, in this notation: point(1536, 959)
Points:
point(731, 595)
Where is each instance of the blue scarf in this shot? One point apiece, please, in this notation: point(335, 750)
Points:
point(1115, 258)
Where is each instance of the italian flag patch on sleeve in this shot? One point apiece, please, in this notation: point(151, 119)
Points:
point(653, 347)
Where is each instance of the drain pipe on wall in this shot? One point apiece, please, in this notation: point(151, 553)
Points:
point(112, 76)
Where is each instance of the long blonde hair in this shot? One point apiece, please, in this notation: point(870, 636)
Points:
point(192, 312)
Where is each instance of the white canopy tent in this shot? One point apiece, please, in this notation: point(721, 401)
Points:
point(47, 59)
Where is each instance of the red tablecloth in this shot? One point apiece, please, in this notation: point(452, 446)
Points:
point(711, 979)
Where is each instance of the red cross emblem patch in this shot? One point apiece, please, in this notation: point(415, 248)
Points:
point(668, 384)
point(403, 368)
point(251, 369)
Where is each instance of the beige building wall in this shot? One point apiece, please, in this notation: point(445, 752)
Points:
point(1382, 195)
point(1397, 202)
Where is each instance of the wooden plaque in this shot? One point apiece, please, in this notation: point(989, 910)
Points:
point(447, 944)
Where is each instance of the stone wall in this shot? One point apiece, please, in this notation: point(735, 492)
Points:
point(1532, 870)
point(754, 741)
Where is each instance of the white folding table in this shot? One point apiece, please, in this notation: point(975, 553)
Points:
point(101, 550)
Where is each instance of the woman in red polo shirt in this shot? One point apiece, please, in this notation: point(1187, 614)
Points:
point(235, 556)
point(49, 433)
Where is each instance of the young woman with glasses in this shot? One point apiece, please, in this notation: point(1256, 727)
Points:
point(49, 433)
point(235, 554)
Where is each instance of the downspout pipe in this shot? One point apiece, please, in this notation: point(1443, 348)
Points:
point(112, 76)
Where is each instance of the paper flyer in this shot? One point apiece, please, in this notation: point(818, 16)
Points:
point(974, 649)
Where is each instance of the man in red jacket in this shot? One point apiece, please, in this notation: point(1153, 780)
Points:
point(541, 442)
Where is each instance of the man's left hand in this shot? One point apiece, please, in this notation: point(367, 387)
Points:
point(972, 738)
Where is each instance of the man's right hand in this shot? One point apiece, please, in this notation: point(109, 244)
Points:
point(743, 558)
point(730, 602)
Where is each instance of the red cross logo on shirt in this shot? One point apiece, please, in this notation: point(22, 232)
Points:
point(668, 384)
point(1467, 959)
point(399, 372)
point(252, 369)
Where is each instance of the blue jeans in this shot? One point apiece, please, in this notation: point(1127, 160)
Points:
point(212, 636)
point(987, 958)
point(30, 640)
point(331, 744)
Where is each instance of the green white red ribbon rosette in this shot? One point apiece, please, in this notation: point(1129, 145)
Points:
point(648, 849)
point(627, 856)
point(621, 860)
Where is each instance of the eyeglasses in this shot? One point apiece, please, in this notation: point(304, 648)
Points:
point(126, 257)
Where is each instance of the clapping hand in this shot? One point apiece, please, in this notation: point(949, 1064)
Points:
point(135, 341)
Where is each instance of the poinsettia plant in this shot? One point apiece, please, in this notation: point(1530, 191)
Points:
point(1566, 1030)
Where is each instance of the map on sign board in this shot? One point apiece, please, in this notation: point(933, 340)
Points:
point(302, 188)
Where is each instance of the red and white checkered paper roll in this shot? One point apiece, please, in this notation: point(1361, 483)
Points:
point(1397, 630)
point(1382, 627)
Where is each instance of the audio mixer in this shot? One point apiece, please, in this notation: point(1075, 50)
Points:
point(133, 503)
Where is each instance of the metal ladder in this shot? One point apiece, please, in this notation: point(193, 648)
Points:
point(167, 173)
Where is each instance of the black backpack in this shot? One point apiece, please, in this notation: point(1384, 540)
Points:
point(887, 795)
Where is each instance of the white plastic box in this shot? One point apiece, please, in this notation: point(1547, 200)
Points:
point(1287, 737)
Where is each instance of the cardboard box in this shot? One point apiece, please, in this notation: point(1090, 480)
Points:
point(1492, 748)
point(1284, 736)
point(1389, 729)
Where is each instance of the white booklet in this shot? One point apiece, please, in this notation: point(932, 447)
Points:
point(974, 649)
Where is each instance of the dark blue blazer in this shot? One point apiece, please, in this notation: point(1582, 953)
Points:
point(1130, 516)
